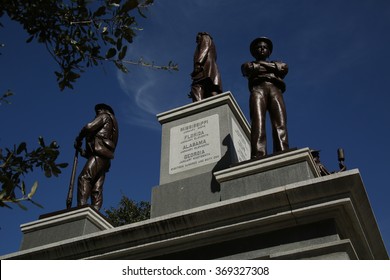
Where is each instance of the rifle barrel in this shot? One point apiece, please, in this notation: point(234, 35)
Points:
point(72, 178)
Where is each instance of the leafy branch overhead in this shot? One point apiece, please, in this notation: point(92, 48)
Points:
point(17, 162)
point(80, 34)
point(4, 98)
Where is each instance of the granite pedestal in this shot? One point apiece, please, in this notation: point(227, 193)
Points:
point(62, 225)
point(321, 218)
point(197, 140)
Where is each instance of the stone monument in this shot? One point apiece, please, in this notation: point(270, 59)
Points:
point(197, 140)
point(221, 197)
point(214, 203)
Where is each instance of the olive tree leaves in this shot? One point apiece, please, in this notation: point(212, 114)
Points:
point(80, 34)
point(15, 163)
point(4, 99)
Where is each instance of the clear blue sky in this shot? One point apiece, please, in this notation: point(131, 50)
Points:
point(337, 92)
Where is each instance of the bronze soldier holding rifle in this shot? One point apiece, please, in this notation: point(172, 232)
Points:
point(101, 139)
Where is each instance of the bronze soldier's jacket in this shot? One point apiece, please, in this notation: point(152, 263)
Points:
point(102, 135)
point(205, 56)
point(257, 74)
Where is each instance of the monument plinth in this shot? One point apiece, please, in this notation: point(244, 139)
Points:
point(264, 174)
point(197, 140)
point(326, 217)
point(62, 225)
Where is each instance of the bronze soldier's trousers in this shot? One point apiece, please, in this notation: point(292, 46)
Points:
point(90, 182)
point(267, 97)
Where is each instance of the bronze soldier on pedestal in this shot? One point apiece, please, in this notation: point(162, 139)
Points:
point(101, 139)
point(266, 87)
point(322, 169)
point(206, 79)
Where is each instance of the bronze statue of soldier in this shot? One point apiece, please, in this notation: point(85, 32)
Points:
point(266, 86)
point(101, 137)
point(322, 169)
point(206, 79)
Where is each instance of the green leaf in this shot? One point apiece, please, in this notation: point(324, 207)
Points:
point(119, 43)
point(58, 74)
point(3, 99)
point(41, 141)
point(23, 188)
point(122, 53)
point(111, 53)
point(141, 13)
point(2, 194)
point(55, 170)
point(121, 67)
point(109, 40)
point(33, 190)
point(129, 5)
point(72, 76)
point(54, 145)
point(47, 170)
point(114, 3)
point(63, 165)
point(30, 39)
point(21, 205)
point(21, 148)
point(128, 34)
point(8, 94)
point(36, 204)
point(2, 204)
point(100, 12)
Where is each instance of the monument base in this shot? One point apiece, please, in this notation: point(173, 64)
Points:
point(62, 225)
point(242, 179)
point(198, 139)
point(327, 217)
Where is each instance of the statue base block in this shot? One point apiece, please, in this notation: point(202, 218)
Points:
point(62, 225)
point(267, 173)
point(240, 180)
point(198, 139)
point(326, 217)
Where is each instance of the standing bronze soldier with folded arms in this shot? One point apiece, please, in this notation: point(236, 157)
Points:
point(266, 85)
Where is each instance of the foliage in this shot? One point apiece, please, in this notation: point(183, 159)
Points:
point(1, 44)
point(128, 212)
point(79, 33)
point(16, 163)
point(4, 98)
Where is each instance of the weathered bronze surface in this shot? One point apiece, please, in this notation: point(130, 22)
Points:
point(266, 86)
point(322, 169)
point(206, 79)
point(69, 198)
point(341, 158)
point(101, 138)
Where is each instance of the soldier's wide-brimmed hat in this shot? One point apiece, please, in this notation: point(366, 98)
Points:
point(315, 153)
point(260, 39)
point(104, 107)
